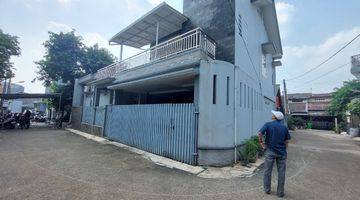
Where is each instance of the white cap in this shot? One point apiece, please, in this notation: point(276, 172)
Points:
point(278, 115)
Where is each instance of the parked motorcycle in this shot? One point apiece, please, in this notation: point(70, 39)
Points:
point(8, 121)
point(24, 120)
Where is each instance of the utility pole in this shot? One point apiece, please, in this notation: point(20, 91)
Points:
point(285, 98)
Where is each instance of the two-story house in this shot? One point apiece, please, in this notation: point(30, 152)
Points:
point(205, 84)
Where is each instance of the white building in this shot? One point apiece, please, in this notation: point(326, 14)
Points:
point(206, 84)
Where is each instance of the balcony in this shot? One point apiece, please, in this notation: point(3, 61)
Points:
point(189, 41)
point(355, 65)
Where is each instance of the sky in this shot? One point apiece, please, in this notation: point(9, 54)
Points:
point(310, 30)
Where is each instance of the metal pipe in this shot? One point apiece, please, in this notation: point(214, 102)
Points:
point(157, 32)
point(235, 119)
point(121, 53)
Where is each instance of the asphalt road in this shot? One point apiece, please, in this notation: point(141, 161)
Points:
point(56, 164)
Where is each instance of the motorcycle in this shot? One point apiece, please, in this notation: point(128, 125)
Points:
point(8, 122)
point(24, 120)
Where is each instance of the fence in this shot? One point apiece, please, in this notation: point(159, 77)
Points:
point(194, 39)
point(94, 115)
point(168, 130)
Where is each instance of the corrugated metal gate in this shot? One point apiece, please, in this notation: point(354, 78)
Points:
point(94, 115)
point(168, 130)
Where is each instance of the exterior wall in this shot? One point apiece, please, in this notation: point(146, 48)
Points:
point(253, 104)
point(217, 20)
point(76, 113)
point(173, 63)
point(216, 121)
point(78, 94)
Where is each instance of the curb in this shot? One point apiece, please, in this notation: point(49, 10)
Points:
point(208, 172)
point(159, 160)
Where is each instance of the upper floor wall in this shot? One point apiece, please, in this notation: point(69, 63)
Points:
point(255, 46)
point(217, 20)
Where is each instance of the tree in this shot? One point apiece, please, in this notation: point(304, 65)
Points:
point(67, 58)
point(62, 60)
point(354, 107)
point(342, 97)
point(9, 46)
point(96, 58)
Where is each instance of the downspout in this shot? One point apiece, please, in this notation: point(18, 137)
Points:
point(235, 119)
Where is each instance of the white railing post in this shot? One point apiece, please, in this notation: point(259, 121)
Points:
point(184, 42)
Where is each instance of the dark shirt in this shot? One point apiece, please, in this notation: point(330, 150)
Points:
point(275, 134)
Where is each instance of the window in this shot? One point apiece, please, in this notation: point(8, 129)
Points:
point(227, 89)
point(263, 65)
point(245, 95)
point(248, 96)
point(252, 98)
point(240, 94)
point(214, 89)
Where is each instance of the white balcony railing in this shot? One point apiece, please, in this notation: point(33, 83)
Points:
point(194, 39)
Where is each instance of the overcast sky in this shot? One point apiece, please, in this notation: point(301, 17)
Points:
point(310, 30)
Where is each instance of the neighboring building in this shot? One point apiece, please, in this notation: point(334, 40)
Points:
point(355, 65)
point(312, 107)
point(15, 105)
point(206, 83)
point(19, 105)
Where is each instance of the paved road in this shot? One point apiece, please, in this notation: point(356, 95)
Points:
point(55, 164)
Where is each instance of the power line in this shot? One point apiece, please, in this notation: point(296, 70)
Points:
point(325, 74)
point(326, 60)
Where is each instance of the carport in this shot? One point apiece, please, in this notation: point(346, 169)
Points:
point(30, 96)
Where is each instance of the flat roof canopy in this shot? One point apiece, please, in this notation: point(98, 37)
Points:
point(143, 31)
point(29, 96)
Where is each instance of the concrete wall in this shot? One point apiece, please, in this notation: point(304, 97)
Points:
point(76, 113)
point(216, 18)
point(216, 120)
point(173, 63)
point(251, 116)
point(252, 88)
point(77, 94)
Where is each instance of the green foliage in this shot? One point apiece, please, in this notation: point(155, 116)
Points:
point(354, 107)
point(295, 122)
point(64, 51)
point(309, 125)
point(9, 46)
point(342, 97)
point(67, 58)
point(66, 98)
point(250, 151)
point(342, 127)
point(96, 58)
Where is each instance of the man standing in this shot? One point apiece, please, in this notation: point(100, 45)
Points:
point(276, 141)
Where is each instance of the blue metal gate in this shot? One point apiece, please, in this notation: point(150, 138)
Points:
point(168, 130)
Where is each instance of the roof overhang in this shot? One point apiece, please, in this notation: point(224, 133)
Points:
point(101, 81)
point(271, 24)
point(173, 79)
point(86, 79)
point(143, 31)
point(29, 95)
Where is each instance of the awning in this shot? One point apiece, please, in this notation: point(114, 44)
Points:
point(143, 31)
point(29, 96)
